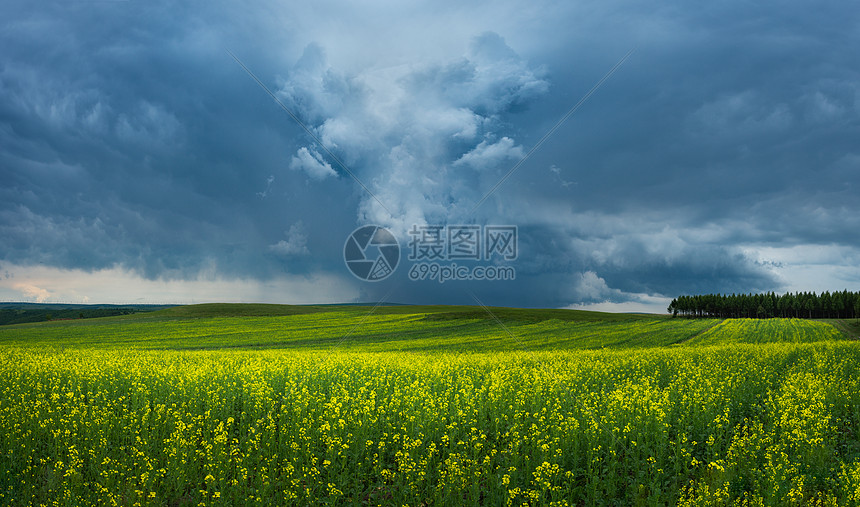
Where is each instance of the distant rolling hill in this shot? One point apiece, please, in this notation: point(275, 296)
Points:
point(21, 313)
point(399, 328)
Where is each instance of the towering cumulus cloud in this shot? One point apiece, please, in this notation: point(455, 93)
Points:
point(426, 138)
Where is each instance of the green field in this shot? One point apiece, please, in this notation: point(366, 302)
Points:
point(268, 405)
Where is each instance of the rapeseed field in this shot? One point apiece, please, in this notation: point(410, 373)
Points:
point(403, 410)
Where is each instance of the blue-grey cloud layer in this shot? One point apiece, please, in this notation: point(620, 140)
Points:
point(131, 138)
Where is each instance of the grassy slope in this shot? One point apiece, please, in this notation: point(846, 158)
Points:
point(849, 328)
point(408, 328)
point(767, 331)
point(442, 312)
point(23, 313)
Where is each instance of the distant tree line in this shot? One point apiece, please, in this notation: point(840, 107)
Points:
point(802, 305)
point(23, 316)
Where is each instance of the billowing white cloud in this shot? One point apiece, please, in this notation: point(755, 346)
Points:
point(490, 155)
point(591, 287)
point(312, 163)
point(417, 135)
point(295, 244)
point(31, 292)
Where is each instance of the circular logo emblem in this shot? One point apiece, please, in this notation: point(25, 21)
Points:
point(371, 253)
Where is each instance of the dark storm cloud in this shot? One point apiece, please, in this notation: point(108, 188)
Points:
point(130, 138)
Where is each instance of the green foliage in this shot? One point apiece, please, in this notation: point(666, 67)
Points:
point(426, 405)
point(26, 314)
point(354, 329)
point(838, 305)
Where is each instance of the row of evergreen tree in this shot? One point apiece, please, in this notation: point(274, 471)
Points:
point(803, 305)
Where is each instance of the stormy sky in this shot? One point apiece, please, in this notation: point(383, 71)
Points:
point(141, 161)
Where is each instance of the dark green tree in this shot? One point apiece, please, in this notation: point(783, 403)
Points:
point(767, 305)
point(837, 304)
point(826, 303)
